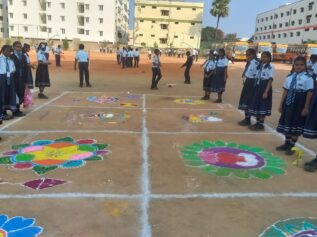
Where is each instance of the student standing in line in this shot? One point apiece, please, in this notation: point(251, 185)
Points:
point(136, 57)
point(295, 104)
point(124, 57)
point(58, 52)
point(7, 84)
point(156, 70)
point(261, 103)
point(249, 73)
point(42, 78)
point(27, 67)
point(83, 63)
point(209, 71)
point(188, 64)
point(218, 83)
point(119, 54)
point(130, 57)
point(18, 76)
point(47, 52)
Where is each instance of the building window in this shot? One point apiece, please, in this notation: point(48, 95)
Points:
point(63, 31)
point(308, 18)
point(286, 24)
point(273, 36)
point(279, 35)
point(12, 28)
point(257, 29)
point(270, 27)
point(87, 32)
point(165, 13)
point(260, 37)
point(25, 28)
point(153, 21)
point(258, 20)
point(87, 19)
point(191, 37)
point(261, 28)
point(101, 20)
point(11, 15)
point(266, 18)
point(194, 9)
point(264, 37)
point(1, 29)
point(301, 9)
point(49, 30)
point(285, 35)
point(275, 16)
point(87, 6)
point(310, 6)
point(281, 25)
point(49, 4)
point(152, 36)
point(25, 16)
point(261, 19)
point(178, 8)
point(291, 34)
point(163, 40)
point(255, 38)
point(294, 11)
point(271, 18)
point(282, 14)
point(265, 27)
point(10, 2)
point(193, 23)
point(141, 20)
point(300, 21)
point(81, 31)
point(164, 26)
point(287, 13)
point(1, 18)
point(140, 34)
point(24, 3)
point(100, 33)
point(62, 18)
point(100, 7)
point(142, 6)
point(293, 23)
point(269, 37)
point(1, 6)
point(176, 22)
point(176, 36)
point(62, 5)
point(49, 17)
point(153, 7)
point(297, 33)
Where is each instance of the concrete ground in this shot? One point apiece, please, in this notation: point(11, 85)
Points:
point(146, 177)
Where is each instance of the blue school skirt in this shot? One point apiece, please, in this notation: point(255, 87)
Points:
point(207, 82)
point(310, 129)
point(259, 106)
point(42, 78)
point(218, 82)
point(291, 122)
point(246, 94)
point(9, 96)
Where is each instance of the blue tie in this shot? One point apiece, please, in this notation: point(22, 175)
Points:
point(292, 91)
point(8, 71)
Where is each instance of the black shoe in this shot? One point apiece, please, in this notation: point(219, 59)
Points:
point(42, 96)
point(244, 122)
point(257, 127)
point(206, 97)
point(89, 85)
point(218, 101)
point(7, 117)
point(283, 147)
point(289, 151)
point(187, 82)
point(80, 85)
point(154, 88)
point(311, 166)
point(18, 113)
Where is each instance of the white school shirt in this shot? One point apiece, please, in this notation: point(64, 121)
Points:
point(58, 51)
point(41, 57)
point(251, 72)
point(314, 69)
point(3, 65)
point(82, 56)
point(266, 72)
point(28, 61)
point(209, 65)
point(155, 61)
point(130, 54)
point(119, 52)
point(304, 82)
point(222, 62)
point(136, 53)
point(47, 49)
point(124, 54)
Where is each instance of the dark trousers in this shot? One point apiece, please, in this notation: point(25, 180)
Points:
point(156, 76)
point(136, 61)
point(118, 58)
point(83, 68)
point(123, 61)
point(58, 60)
point(187, 76)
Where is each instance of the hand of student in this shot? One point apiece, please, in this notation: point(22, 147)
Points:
point(265, 96)
point(305, 112)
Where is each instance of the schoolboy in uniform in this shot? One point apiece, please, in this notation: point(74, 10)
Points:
point(188, 64)
point(58, 52)
point(119, 54)
point(83, 63)
point(156, 71)
point(136, 57)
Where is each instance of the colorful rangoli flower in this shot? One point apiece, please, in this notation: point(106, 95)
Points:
point(189, 101)
point(18, 227)
point(298, 227)
point(46, 155)
point(226, 159)
point(102, 99)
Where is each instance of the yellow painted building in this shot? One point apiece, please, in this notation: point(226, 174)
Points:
point(169, 24)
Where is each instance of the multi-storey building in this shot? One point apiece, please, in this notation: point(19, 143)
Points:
point(88, 20)
point(294, 23)
point(167, 24)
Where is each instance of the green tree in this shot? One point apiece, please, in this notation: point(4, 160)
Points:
point(219, 9)
point(208, 34)
point(230, 38)
point(65, 44)
point(155, 45)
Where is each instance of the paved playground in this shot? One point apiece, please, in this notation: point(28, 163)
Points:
point(118, 159)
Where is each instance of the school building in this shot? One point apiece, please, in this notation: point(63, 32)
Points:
point(167, 24)
point(294, 23)
point(87, 20)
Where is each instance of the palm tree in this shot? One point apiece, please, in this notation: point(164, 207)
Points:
point(220, 8)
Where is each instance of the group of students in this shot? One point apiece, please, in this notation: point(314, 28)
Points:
point(128, 57)
point(298, 105)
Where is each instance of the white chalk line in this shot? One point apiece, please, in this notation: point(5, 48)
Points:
point(136, 197)
point(32, 111)
point(145, 180)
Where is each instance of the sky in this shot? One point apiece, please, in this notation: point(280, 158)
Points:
point(241, 19)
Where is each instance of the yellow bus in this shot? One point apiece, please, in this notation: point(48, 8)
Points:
point(280, 52)
point(237, 50)
point(263, 46)
point(305, 50)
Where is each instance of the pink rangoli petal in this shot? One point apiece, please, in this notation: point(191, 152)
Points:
point(103, 152)
point(81, 156)
point(10, 153)
point(22, 166)
point(85, 141)
point(32, 149)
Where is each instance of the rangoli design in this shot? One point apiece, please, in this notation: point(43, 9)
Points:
point(43, 183)
point(109, 117)
point(189, 101)
point(18, 226)
point(129, 105)
point(230, 159)
point(43, 156)
point(102, 99)
point(201, 118)
point(297, 227)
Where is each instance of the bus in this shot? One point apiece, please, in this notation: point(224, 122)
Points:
point(237, 50)
point(263, 46)
point(305, 50)
point(280, 52)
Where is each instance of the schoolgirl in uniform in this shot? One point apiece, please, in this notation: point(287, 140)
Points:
point(249, 74)
point(310, 129)
point(18, 76)
point(156, 70)
point(295, 104)
point(83, 63)
point(58, 52)
point(261, 102)
point(218, 83)
point(7, 84)
point(42, 78)
point(209, 72)
point(27, 67)
point(136, 57)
